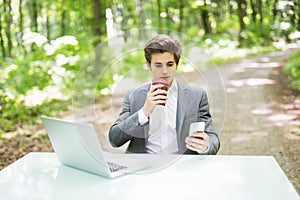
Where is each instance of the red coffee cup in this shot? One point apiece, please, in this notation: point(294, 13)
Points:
point(165, 86)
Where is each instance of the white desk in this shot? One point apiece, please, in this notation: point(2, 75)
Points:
point(41, 176)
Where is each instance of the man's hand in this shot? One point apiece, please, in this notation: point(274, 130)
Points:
point(199, 142)
point(154, 97)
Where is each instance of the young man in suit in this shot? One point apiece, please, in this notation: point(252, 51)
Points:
point(157, 121)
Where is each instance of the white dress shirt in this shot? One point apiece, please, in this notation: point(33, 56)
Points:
point(162, 125)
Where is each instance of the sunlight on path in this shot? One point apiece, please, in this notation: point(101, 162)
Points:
point(261, 114)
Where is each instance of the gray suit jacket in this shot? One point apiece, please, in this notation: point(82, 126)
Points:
point(192, 106)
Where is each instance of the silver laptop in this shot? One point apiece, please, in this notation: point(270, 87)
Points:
point(76, 145)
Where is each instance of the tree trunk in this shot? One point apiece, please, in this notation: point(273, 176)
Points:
point(99, 27)
point(1, 40)
point(293, 18)
point(48, 31)
point(158, 14)
point(168, 20)
point(141, 16)
point(8, 21)
point(254, 13)
point(181, 15)
point(274, 10)
point(298, 13)
point(205, 19)
point(217, 12)
point(241, 15)
point(260, 12)
point(230, 9)
point(33, 12)
point(21, 27)
point(195, 20)
point(63, 22)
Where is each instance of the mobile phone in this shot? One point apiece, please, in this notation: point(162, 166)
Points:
point(195, 127)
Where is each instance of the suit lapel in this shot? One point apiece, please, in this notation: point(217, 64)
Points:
point(140, 98)
point(183, 93)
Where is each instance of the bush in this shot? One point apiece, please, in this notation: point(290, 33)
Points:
point(258, 34)
point(45, 80)
point(38, 82)
point(293, 69)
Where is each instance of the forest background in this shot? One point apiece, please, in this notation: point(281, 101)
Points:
point(43, 44)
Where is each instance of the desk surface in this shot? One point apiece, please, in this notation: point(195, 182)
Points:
point(41, 176)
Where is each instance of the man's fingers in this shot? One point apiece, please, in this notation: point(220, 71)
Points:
point(197, 149)
point(195, 141)
point(160, 92)
point(198, 142)
point(154, 87)
point(202, 135)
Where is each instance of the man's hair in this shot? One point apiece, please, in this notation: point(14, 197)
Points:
point(163, 43)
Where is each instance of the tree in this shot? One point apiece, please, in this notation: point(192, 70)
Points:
point(2, 40)
point(296, 10)
point(63, 20)
point(274, 10)
point(141, 17)
point(87, 19)
point(99, 27)
point(8, 22)
point(33, 12)
point(256, 7)
point(298, 13)
point(48, 27)
point(181, 15)
point(205, 18)
point(260, 12)
point(241, 15)
point(21, 27)
point(158, 14)
point(254, 11)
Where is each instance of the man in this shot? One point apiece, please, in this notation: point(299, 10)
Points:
point(151, 127)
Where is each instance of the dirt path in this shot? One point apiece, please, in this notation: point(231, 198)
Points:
point(254, 116)
point(262, 112)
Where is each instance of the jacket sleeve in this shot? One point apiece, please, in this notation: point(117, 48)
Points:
point(204, 115)
point(126, 126)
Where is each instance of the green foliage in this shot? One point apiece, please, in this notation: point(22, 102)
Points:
point(40, 78)
point(126, 65)
point(293, 69)
point(15, 113)
point(258, 34)
point(228, 25)
point(296, 132)
point(133, 66)
point(192, 32)
point(34, 84)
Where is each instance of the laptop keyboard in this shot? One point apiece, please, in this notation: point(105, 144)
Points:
point(114, 167)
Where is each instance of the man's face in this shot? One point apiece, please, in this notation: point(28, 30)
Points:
point(163, 66)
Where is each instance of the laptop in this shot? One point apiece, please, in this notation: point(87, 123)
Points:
point(76, 145)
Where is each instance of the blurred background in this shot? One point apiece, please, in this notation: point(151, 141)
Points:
point(44, 43)
point(46, 46)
